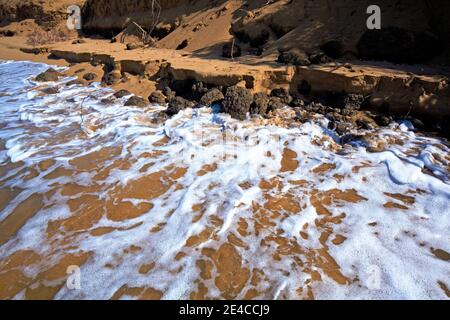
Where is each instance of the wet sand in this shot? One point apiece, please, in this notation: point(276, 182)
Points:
point(166, 210)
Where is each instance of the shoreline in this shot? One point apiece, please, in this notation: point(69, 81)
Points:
point(143, 72)
point(281, 197)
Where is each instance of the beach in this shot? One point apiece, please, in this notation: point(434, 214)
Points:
point(228, 154)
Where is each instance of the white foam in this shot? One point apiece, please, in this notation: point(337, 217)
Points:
point(404, 267)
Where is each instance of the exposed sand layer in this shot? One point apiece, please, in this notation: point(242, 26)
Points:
point(420, 90)
point(305, 24)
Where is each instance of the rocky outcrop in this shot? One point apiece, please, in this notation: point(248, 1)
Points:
point(294, 57)
point(260, 103)
point(157, 97)
point(122, 93)
point(237, 102)
point(177, 104)
point(231, 50)
point(211, 97)
point(401, 91)
point(49, 75)
point(135, 101)
point(89, 76)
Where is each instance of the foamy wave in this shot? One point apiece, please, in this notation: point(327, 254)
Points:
point(206, 206)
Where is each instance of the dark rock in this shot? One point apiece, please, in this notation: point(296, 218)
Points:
point(437, 126)
point(227, 48)
point(237, 102)
point(36, 51)
point(260, 39)
point(398, 45)
point(417, 123)
point(134, 45)
point(445, 126)
point(183, 44)
point(348, 112)
point(112, 77)
point(304, 87)
point(177, 104)
point(297, 102)
point(332, 124)
point(283, 94)
point(8, 33)
point(255, 51)
point(211, 97)
point(318, 58)
point(333, 49)
point(136, 102)
point(162, 30)
point(107, 101)
point(382, 120)
point(343, 128)
point(198, 90)
point(354, 101)
point(348, 66)
point(347, 138)
point(159, 118)
point(182, 87)
point(338, 116)
point(275, 103)
point(330, 116)
point(89, 76)
point(74, 82)
point(50, 90)
point(49, 75)
point(260, 103)
point(157, 97)
point(78, 41)
point(364, 124)
point(316, 107)
point(295, 57)
point(122, 93)
point(168, 93)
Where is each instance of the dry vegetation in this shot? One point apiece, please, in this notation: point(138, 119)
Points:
point(41, 37)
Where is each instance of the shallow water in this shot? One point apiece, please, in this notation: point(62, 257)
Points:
point(206, 206)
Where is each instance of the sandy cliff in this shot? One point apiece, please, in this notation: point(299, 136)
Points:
point(45, 13)
point(271, 24)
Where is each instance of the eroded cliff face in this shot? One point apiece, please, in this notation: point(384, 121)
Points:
point(102, 16)
point(269, 25)
point(261, 24)
point(46, 13)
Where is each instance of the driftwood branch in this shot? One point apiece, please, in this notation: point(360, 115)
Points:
point(156, 12)
point(145, 34)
